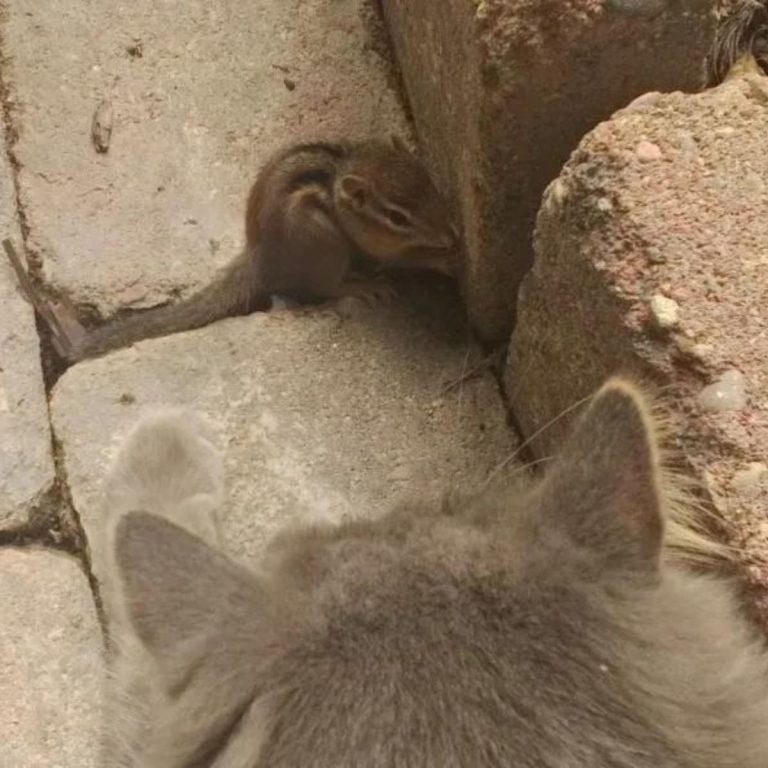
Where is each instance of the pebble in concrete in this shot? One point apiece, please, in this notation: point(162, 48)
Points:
point(752, 479)
point(726, 394)
point(26, 466)
point(647, 152)
point(317, 415)
point(50, 662)
point(665, 312)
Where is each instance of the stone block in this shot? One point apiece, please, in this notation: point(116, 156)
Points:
point(50, 662)
point(502, 92)
point(318, 415)
point(26, 465)
point(668, 200)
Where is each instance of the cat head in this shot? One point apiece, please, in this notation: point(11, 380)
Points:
point(506, 629)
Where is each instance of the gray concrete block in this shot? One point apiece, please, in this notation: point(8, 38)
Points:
point(26, 466)
point(317, 415)
point(502, 92)
point(50, 662)
point(201, 93)
point(668, 199)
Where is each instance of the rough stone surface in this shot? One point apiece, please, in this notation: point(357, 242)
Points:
point(725, 394)
point(502, 92)
point(691, 225)
point(318, 414)
point(26, 466)
point(201, 93)
point(50, 662)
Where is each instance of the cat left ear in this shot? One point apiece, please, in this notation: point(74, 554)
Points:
point(605, 487)
point(208, 624)
point(174, 584)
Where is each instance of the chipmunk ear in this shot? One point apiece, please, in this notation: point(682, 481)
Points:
point(604, 489)
point(355, 190)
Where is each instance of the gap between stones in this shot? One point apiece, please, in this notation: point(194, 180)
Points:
point(53, 520)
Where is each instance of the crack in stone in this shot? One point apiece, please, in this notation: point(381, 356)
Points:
point(53, 520)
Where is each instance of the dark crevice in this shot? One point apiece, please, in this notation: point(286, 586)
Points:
point(73, 521)
point(52, 364)
point(379, 41)
point(53, 521)
point(45, 526)
point(525, 456)
point(11, 138)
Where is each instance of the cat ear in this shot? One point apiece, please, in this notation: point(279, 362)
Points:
point(174, 584)
point(605, 485)
point(208, 624)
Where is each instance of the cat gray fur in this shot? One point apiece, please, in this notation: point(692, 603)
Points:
point(547, 628)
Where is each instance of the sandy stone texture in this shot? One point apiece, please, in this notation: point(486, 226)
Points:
point(318, 415)
point(50, 662)
point(26, 466)
point(668, 200)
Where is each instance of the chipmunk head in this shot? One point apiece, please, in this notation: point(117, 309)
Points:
point(389, 206)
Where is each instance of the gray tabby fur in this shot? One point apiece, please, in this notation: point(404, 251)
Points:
point(547, 626)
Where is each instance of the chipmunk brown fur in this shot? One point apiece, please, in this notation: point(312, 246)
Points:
point(322, 220)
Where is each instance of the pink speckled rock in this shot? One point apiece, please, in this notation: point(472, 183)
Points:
point(691, 225)
point(502, 92)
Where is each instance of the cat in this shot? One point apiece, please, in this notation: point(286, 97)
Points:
point(547, 626)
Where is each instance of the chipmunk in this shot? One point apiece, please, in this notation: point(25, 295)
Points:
point(322, 220)
point(546, 625)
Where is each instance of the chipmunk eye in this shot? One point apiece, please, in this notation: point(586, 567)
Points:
point(398, 219)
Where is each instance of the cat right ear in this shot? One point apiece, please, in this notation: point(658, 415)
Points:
point(605, 487)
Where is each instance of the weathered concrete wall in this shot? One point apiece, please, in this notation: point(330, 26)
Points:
point(502, 92)
point(652, 256)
